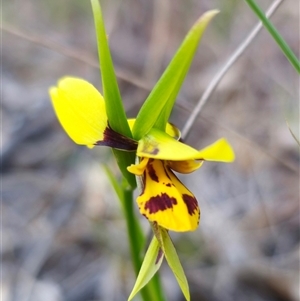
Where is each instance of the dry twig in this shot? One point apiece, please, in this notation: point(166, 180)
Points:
point(218, 77)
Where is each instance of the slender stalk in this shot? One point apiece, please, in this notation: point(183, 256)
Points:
point(229, 63)
point(287, 51)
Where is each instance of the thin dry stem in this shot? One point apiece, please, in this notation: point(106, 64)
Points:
point(218, 77)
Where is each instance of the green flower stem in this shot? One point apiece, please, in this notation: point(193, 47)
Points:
point(155, 284)
point(275, 34)
point(133, 229)
point(153, 290)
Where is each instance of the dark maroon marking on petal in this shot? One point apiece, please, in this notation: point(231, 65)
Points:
point(191, 203)
point(168, 185)
point(117, 140)
point(160, 203)
point(159, 255)
point(152, 172)
point(155, 151)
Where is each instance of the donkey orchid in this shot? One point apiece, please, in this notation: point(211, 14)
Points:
point(164, 200)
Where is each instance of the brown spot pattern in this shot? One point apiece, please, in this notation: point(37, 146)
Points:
point(155, 151)
point(152, 172)
point(191, 203)
point(160, 203)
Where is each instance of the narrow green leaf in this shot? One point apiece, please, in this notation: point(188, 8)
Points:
point(287, 51)
point(113, 102)
point(114, 106)
point(152, 262)
point(114, 183)
point(158, 106)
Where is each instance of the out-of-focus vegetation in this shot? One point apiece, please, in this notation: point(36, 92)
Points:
point(63, 236)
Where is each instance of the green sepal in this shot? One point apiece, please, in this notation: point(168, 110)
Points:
point(157, 108)
point(114, 107)
point(152, 262)
point(170, 253)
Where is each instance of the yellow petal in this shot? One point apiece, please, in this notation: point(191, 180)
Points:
point(138, 169)
point(186, 166)
point(159, 145)
point(173, 131)
point(166, 201)
point(221, 151)
point(80, 109)
point(131, 122)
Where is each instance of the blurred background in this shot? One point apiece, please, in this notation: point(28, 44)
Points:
point(63, 235)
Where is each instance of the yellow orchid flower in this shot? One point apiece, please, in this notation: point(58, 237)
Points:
point(164, 200)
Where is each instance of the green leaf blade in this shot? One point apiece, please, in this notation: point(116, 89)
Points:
point(114, 183)
point(114, 107)
point(286, 50)
point(158, 106)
